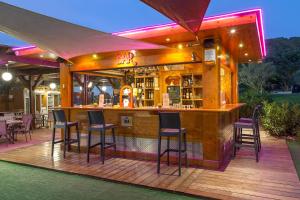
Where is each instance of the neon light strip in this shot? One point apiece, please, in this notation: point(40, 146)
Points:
point(23, 48)
point(259, 25)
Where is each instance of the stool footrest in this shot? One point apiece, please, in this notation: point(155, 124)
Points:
point(106, 145)
point(171, 150)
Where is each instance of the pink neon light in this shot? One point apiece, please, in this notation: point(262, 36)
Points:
point(23, 48)
point(259, 25)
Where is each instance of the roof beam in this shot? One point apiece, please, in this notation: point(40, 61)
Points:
point(30, 61)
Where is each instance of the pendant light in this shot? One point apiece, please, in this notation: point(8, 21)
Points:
point(7, 76)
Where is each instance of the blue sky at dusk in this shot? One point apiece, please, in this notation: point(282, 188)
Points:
point(118, 15)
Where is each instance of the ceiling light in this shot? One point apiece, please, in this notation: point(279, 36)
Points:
point(241, 45)
point(180, 46)
point(90, 85)
point(52, 86)
point(168, 39)
point(233, 31)
point(103, 88)
point(6, 76)
point(246, 54)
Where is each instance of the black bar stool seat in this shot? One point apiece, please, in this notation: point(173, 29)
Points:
point(97, 123)
point(169, 126)
point(61, 122)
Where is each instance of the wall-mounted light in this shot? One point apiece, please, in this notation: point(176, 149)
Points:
point(241, 45)
point(246, 54)
point(52, 86)
point(180, 46)
point(168, 39)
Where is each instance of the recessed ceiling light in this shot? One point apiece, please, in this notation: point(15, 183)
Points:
point(180, 46)
point(233, 31)
point(241, 45)
point(95, 56)
point(168, 39)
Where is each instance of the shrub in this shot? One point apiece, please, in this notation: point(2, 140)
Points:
point(252, 98)
point(281, 119)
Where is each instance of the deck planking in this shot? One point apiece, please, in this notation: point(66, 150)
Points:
point(274, 177)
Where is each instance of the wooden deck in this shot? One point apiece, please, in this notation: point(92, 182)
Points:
point(274, 177)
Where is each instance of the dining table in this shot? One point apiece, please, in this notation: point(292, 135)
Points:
point(12, 124)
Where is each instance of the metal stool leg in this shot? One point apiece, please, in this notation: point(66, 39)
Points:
point(185, 149)
point(53, 140)
point(179, 154)
point(65, 140)
point(68, 138)
point(78, 138)
point(158, 154)
point(102, 145)
point(114, 139)
point(234, 141)
point(168, 152)
point(89, 145)
point(255, 145)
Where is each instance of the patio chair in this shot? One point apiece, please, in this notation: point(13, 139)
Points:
point(4, 131)
point(25, 127)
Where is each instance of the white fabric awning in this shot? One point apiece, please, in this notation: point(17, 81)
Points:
point(65, 39)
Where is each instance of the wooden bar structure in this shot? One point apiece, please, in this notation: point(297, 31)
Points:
point(203, 68)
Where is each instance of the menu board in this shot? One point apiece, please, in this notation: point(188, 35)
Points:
point(174, 94)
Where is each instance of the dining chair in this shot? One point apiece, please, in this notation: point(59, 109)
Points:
point(4, 131)
point(24, 128)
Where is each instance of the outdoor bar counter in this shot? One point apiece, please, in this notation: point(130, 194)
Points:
point(209, 131)
point(195, 75)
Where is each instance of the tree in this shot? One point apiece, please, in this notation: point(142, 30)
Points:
point(284, 53)
point(256, 76)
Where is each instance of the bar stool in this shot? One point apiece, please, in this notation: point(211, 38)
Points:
point(61, 122)
point(240, 139)
point(97, 123)
point(170, 126)
point(256, 113)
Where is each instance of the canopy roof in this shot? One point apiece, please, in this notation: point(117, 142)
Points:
point(62, 38)
point(189, 13)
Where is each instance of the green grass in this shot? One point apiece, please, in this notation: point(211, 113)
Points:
point(291, 98)
point(294, 147)
point(18, 182)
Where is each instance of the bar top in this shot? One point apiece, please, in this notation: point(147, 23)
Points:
point(225, 108)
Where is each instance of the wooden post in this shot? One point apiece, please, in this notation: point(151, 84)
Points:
point(66, 85)
point(211, 76)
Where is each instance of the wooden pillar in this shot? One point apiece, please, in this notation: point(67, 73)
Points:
point(211, 100)
point(211, 75)
point(234, 81)
point(66, 85)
